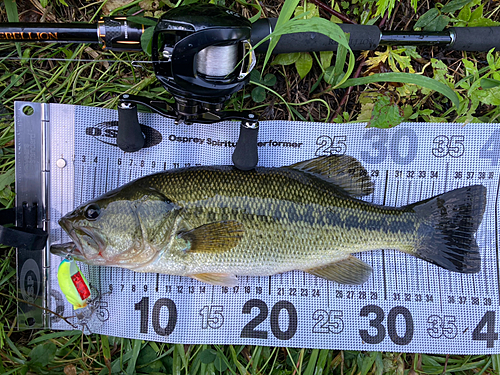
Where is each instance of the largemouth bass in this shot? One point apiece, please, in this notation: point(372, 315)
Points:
point(215, 223)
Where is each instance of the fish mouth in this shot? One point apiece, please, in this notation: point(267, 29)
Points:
point(81, 235)
point(67, 249)
point(70, 230)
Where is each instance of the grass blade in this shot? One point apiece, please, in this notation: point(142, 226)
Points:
point(416, 79)
point(311, 365)
point(136, 348)
point(285, 15)
point(13, 16)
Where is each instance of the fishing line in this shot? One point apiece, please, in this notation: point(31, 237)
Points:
point(3, 58)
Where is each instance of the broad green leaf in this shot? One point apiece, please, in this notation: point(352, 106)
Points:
point(368, 361)
point(269, 79)
point(416, 79)
point(483, 22)
point(488, 83)
point(490, 96)
point(477, 13)
point(258, 94)
point(326, 58)
point(221, 362)
point(286, 58)
point(147, 40)
point(396, 59)
point(208, 356)
point(454, 5)
point(311, 10)
point(7, 178)
point(491, 60)
point(438, 23)
point(384, 115)
point(42, 354)
point(142, 20)
point(255, 75)
point(464, 14)
point(304, 64)
point(426, 18)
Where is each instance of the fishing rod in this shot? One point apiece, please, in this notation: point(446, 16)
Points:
point(202, 54)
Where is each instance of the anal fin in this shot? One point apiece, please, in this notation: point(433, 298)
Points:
point(222, 279)
point(351, 270)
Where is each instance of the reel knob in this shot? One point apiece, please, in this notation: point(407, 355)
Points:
point(130, 137)
point(245, 155)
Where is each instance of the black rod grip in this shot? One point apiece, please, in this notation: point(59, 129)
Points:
point(362, 37)
point(475, 38)
point(130, 137)
point(245, 155)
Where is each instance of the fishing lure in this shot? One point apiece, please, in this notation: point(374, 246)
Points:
point(77, 291)
point(73, 284)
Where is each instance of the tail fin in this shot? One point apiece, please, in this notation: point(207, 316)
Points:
point(450, 221)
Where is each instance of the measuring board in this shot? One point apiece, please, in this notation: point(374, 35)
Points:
point(407, 305)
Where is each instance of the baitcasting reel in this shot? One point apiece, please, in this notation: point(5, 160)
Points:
point(202, 55)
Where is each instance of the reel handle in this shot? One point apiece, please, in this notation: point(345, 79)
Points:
point(130, 137)
point(245, 155)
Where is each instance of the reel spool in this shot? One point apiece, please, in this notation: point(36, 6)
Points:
point(202, 55)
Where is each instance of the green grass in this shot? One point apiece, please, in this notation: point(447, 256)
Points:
point(97, 83)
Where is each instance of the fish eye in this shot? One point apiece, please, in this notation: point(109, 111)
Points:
point(92, 211)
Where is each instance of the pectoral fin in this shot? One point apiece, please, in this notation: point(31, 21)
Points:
point(222, 279)
point(348, 271)
point(214, 237)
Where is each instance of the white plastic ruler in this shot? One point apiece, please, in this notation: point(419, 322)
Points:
point(407, 305)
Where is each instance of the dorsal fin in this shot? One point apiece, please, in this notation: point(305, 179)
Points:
point(343, 171)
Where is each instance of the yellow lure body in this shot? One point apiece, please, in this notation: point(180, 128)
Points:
point(73, 284)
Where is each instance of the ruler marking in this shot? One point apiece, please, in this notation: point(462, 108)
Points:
point(94, 183)
point(328, 294)
point(439, 271)
point(496, 238)
point(383, 251)
point(406, 255)
point(107, 170)
point(446, 175)
point(450, 279)
point(81, 187)
point(394, 255)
